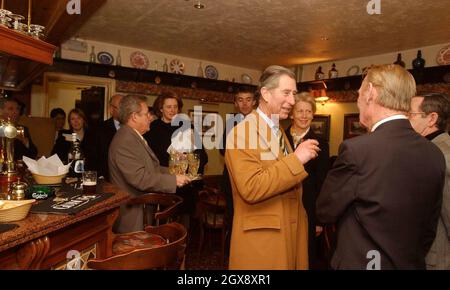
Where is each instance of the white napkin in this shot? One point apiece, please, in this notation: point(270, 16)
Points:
point(51, 166)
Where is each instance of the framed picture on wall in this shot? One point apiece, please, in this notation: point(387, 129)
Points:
point(321, 126)
point(205, 128)
point(352, 127)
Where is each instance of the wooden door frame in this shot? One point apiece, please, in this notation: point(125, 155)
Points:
point(108, 84)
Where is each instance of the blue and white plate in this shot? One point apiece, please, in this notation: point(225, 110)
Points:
point(105, 57)
point(211, 72)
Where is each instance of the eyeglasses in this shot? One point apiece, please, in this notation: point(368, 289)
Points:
point(148, 114)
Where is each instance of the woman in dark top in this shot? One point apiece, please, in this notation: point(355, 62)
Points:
point(78, 124)
point(302, 114)
point(166, 107)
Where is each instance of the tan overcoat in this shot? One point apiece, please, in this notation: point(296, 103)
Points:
point(270, 225)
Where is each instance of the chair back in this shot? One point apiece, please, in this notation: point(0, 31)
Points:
point(168, 256)
point(158, 207)
point(212, 208)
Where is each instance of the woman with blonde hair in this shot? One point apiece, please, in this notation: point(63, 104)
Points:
point(300, 130)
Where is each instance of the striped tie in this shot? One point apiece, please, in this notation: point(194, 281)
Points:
point(281, 142)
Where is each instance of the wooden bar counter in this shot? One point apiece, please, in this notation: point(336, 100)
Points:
point(49, 241)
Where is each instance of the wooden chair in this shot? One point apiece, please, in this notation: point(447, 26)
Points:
point(169, 255)
point(212, 217)
point(165, 207)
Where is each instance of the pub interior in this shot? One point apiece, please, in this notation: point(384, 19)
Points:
point(77, 193)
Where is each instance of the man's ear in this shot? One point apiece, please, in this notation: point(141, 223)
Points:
point(433, 119)
point(371, 93)
point(265, 94)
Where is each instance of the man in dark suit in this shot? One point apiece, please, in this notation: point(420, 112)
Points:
point(23, 146)
point(385, 188)
point(105, 135)
point(133, 165)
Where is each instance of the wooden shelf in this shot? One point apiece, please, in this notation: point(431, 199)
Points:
point(144, 76)
point(18, 44)
point(22, 58)
point(429, 75)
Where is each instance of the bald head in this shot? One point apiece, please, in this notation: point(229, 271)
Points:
point(114, 103)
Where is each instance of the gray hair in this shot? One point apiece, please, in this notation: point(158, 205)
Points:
point(130, 104)
point(438, 103)
point(271, 76)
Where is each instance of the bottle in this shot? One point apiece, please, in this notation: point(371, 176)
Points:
point(156, 65)
point(333, 73)
point(399, 60)
point(319, 74)
point(76, 157)
point(419, 62)
point(200, 70)
point(92, 55)
point(165, 66)
point(118, 59)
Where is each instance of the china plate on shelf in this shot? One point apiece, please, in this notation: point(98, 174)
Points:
point(246, 79)
point(139, 60)
point(211, 72)
point(176, 66)
point(353, 70)
point(443, 56)
point(105, 58)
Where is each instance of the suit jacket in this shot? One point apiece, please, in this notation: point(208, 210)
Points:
point(270, 224)
point(438, 257)
point(135, 168)
point(317, 170)
point(21, 150)
point(385, 192)
point(105, 135)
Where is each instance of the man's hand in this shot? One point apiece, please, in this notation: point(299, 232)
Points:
point(307, 150)
point(182, 180)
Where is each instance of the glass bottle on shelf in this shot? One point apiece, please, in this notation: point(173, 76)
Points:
point(76, 157)
point(156, 65)
point(399, 60)
point(165, 66)
point(92, 55)
point(333, 73)
point(118, 59)
point(319, 74)
point(419, 62)
point(200, 70)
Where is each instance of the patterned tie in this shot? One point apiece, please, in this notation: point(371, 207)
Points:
point(281, 142)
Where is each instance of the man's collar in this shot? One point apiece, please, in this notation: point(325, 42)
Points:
point(391, 118)
point(268, 120)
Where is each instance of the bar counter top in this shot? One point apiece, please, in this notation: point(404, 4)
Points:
point(39, 225)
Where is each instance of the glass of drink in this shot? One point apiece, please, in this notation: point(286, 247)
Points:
point(194, 164)
point(89, 182)
point(183, 164)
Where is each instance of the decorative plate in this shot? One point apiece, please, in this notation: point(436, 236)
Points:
point(176, 66)
point(443, 56)
point(353, 70)
point(105, 57)
point(211, 72)
point(139, 60)
point(246, 79)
